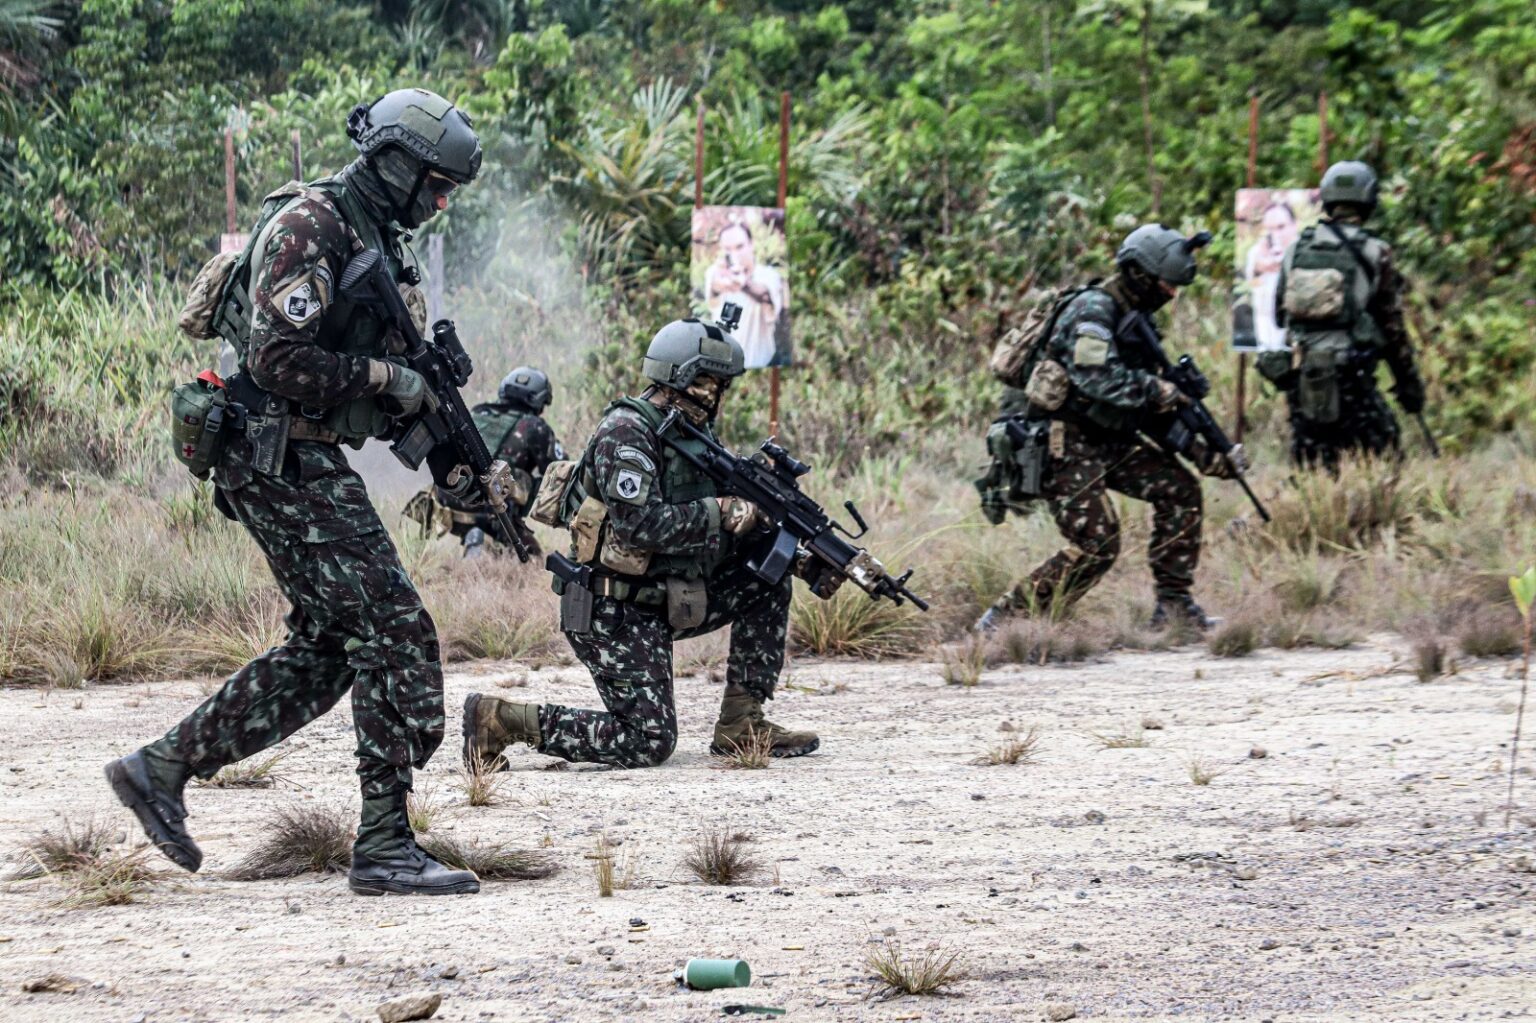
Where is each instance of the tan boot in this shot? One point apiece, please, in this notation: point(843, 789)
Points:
point(741, 717)
point(491, 725)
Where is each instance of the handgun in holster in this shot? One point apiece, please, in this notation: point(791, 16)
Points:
point(575, 592)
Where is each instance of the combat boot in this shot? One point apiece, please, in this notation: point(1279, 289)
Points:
point(741, 717)
point(491, 725)
point(387, 861)
point(151, 786)
point(1182, 611)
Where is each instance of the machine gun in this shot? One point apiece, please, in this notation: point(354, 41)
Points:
point(446, 437)
point(773, 484)
point(1191, 419)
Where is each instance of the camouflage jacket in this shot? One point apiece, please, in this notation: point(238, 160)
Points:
point(1111, 386)
point(520, 438)
point(306, 343)
point(656, 501)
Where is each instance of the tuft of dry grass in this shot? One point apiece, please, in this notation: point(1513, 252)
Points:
point(299, 840)
point(926, 974)
point(114, 879)
point(1203, 770)
point(247, 774)
point(1429, 659)
point(481, 784)
point(613, 873)
point(1120, 740)
point(753, 754)
point(1021, 750)
point(423, 808)
point(493, 862)
point(71, 848)
point(1489, 632)
point(853, 625)
point(1045, 639)
point(1236, 638)
point(491, 608)
point(716, 856)
point(964, 662)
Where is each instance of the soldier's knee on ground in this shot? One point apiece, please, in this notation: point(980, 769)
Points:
point(653, 749)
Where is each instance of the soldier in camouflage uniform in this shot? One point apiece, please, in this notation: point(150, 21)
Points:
point(514, 431)
point(314, 371)
point(1344, 315)
point(668, 558)
point(1109, 390)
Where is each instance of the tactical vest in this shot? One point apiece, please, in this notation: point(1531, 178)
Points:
point(496, 423)
point(680, 483)
point(344, 328)
point(1327, 290)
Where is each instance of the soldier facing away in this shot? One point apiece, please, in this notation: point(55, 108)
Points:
point(1091, 391)
point(1341, 299)
point(514, 430)
point(316, 370)
point(668, 561)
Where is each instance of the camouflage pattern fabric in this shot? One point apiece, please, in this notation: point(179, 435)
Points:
point(356, 624)
point(677, 517)
point(1076, 488)
point(1110, 387)
point(629, 652)
point(1366, 424)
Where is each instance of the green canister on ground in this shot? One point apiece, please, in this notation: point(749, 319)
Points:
point(709, 974)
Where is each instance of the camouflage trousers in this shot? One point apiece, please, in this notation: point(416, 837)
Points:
point(1365, 426)
point(1076, 488)
point(356, 625)
point(629, 652)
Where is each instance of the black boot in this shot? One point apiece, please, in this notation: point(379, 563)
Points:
point(1182, 610)
point(387, 861)
point(151, 787)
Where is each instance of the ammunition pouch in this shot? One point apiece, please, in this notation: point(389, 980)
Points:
point(1048, 385)
point(559, 494)
point(1317, 385)
point(687, 603)
point(1275, 366)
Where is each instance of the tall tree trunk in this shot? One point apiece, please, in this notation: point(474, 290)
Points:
point(1153, 185)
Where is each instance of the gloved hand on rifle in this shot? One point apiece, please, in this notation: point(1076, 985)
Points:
point(1166, 395)
point(1216, 465)
point(738, 516)
point(402, 391)
point(1409, 392)
point(821, 577)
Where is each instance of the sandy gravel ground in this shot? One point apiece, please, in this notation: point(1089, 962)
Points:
point(1358, 871)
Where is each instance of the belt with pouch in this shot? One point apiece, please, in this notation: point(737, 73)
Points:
point(630, 591)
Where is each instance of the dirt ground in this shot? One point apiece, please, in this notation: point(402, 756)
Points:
point(1359, 870)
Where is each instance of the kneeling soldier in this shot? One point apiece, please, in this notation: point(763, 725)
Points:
point(667, 559)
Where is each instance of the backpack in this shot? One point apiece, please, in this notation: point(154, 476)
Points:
point(1328, 284)
point(1014, 355)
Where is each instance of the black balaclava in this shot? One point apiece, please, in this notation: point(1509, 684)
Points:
point(1143, 289)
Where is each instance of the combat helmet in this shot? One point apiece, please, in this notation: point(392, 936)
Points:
point(684, 349)
point(1153, 253)
point(1350, 181)
point(527, 387)
point(420, 146)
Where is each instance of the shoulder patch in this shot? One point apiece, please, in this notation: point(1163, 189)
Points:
point(323, 283)
point(300, 302)
point(629, 485)
point(625, 453)
point(1092, 346)
point(1089, 328)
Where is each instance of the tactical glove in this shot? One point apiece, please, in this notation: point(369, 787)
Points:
point(402, 391)
point(1166, 396)
point(739, 516)
point(821, 577)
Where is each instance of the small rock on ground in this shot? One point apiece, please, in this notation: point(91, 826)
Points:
point(1059, 1011)
point(408, 1007)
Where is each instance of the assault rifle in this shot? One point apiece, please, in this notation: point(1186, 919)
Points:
point(774, 486)
point(1191, 419)
point(445, 438)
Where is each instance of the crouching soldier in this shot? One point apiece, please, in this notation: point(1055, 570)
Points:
point(514, 431)
point(664, 558)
